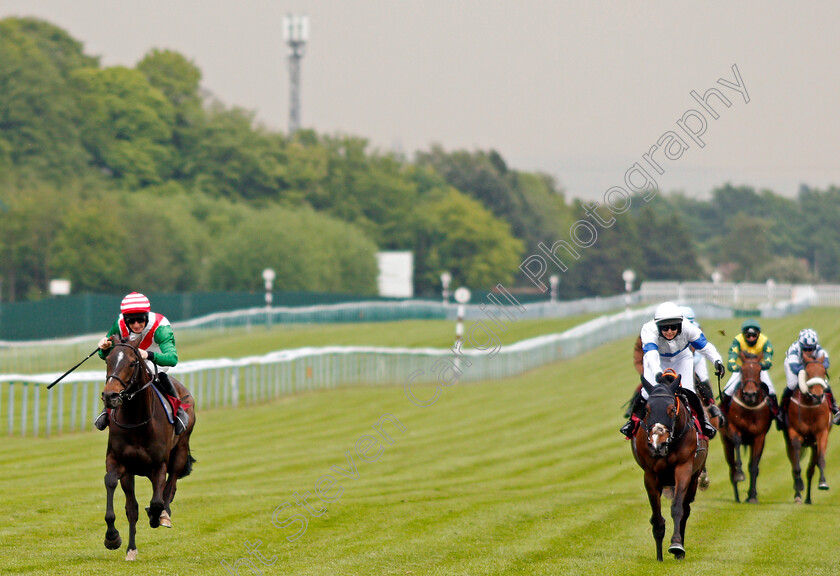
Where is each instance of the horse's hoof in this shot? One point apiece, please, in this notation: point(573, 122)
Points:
point(165, 520)
point(113, 544)
point(677, 550)
point(703, 482)
point(797, 500)
point(752, 500)
point(131, 555)
point(823, 485)
point(739, 476)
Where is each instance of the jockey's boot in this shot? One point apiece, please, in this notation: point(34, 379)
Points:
point(101, 421)
point(775, 412)
point(636, 415)
point(716, 412)
point(697, 406)
point(166, 386)
point(781, 424)
point(834, 409)
point(725, 401)
point(704, 390)
point(632, 402)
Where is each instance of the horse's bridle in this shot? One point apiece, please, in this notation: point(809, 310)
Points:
point(125, 395)
point(671, 435)
point(824, 379)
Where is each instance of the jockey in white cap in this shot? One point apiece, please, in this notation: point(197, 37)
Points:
point(667, 342)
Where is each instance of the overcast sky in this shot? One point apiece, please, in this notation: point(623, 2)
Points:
point(580, 90)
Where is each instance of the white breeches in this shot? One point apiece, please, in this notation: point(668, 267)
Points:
point(735, 379)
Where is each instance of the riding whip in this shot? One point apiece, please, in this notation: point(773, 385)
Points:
point(57, 380)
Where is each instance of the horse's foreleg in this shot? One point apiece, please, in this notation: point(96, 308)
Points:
point(755, 457)
point(809, 473)
point(156, 506)
point(656, 519)
point(739, 470)
point(112, 477)
point(131, 512)
point(794, 447)
point(822, 447)
point(729, 456)
point(690, 494)
point(683, 478)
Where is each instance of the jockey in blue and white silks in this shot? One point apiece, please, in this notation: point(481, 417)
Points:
point(808, 341)
point(670, 348)
point(667, 342)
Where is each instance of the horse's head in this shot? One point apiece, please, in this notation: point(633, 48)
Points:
point(127, 373)
point(661, 414)
point(751, 389)
point(813, 379)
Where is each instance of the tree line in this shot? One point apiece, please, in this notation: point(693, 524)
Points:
point(124, 179)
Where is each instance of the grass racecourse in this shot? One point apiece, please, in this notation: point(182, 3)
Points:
point(521, 476)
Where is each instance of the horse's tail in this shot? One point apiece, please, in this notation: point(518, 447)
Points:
point(188, 466)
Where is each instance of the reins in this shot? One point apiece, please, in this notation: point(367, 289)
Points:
point(674, 436)
point(124, 395)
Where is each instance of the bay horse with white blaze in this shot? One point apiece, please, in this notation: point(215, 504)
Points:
point(141, 442)
point(667, 448)
point(748, 419)
point(808, 424)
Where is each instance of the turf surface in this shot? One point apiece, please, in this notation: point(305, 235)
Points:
point(522, 476)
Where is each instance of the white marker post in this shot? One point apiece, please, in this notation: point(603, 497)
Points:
point(462, 296)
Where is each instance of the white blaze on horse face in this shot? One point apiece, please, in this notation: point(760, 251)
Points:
point(657, 432)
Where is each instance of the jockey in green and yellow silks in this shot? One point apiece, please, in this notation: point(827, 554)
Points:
point(750, 341)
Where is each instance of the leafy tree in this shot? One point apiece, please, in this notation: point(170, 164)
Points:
point(28, 224)
point(226, 157)
point(175, 76)
point(531, 204)
point(89, 248)
point(666, 245)
point(308, 251)
point(456, 233)
point(38, 114)
point(599, 269)
point(65, 52)
point(127, 125)
point(746, 245)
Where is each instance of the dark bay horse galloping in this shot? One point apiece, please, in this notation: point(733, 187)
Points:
point(668, 450)
point(141, 442)
point(748, 420)
point(808, 424)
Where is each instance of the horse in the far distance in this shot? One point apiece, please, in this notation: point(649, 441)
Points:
point(808, 424)
point(667, 448)
point(748, 419)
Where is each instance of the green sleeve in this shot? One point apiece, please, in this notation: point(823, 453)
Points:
point(115, 329)
point(767, 361)
point(165, 338)
point(734, 352)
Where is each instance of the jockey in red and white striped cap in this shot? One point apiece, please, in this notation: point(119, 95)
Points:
point(152, 334)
